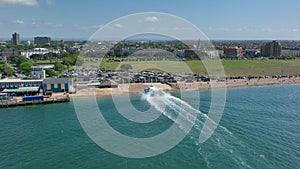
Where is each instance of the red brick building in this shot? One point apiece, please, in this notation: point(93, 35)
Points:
point(234, 51)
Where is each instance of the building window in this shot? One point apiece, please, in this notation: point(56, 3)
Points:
point(62, 85)
point(48, 86)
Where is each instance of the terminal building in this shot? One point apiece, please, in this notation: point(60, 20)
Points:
point(50, 84)
point(18, 83)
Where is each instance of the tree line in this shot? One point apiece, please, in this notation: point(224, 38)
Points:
point(24, 65)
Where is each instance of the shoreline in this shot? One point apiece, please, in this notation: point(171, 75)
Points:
point(135, 88)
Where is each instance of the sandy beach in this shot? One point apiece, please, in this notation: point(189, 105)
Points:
point(181, 86)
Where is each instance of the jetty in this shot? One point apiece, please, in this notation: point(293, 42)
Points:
point(16, 103)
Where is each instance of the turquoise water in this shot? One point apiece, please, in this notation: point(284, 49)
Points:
point(260, 129)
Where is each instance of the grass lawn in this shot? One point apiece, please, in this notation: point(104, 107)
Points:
point(261, 67)
point(231, 67)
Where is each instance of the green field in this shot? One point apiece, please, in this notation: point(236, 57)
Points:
point(262, 67)
point(231, 67)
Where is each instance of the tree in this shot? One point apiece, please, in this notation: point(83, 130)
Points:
point(59, 67)
point(110, 54)
point(26, 67)
point(51, 72)
point(69, 61)
point(21, 60)
point(6, 70)
point(36, 57)
point(79, 61)
point(126, 54)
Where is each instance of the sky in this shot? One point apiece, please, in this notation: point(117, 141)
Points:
point(218, 19)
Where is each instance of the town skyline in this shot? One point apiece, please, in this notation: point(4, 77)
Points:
point(142, 37)
point(230, 20)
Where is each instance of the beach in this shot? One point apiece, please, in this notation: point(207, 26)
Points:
point(182, 86)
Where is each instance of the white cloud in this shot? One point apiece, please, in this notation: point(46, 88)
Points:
point(50, 24)
point(4, 3)
point(59, 25)
point(219, 29)
point(54, 25)
point(19, 22)
point(91, 29)
point(41, 24)
point(50, 2)
point(33, 21)
point(151, 19)
point(97, 26)
point(295, 30)
point(182, 28)
point(117, 25)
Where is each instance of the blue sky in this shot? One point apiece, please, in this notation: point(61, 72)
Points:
point(218, 19)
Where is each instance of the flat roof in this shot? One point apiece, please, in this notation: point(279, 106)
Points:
point(20, 80)
point(43, 67)
point(56, 80)
point(22, 89)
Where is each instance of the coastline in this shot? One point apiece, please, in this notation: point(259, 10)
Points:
point(135, 88)
point(181, 86)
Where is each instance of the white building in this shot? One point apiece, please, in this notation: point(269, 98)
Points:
point(294, 52)
point(39, 51)
point(17, 83)
point(38, 72)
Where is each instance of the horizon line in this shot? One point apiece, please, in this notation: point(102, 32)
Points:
point(86, 39)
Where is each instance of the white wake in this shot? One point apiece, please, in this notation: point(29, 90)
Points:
point(184, 115)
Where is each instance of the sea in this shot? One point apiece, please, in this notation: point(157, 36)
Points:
point(259, 128)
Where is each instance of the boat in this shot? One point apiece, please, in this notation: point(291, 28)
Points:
point(146, 90)
point(153, 91)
